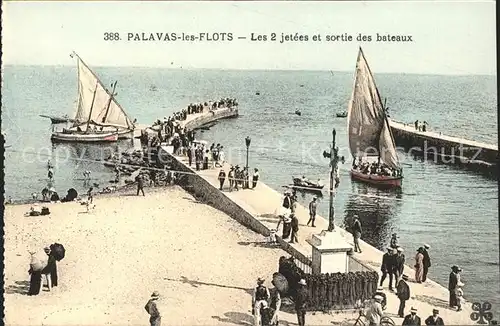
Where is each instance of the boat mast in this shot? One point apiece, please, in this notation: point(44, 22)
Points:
point(91, 107)
point(111, 97)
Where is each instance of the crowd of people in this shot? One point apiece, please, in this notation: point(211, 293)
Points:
point(421, 126)
point(375, 168)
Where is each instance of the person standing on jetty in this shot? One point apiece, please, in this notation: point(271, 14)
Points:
point(434, 319)
point(356, 233)
point(419, 265)
point(222, 178)
point(255, 178)
point(452, 285)
point(375, 311)
point(426, 261)
point(394, 241)
point(312, 211)
point(388, 266)
point(152, 309)
point(301, 300)
point(259, 297)
point(412, 318)
point(400, 264)
point(403, 293)
point(231, 178)
point(295, 228)
point(285, 217)
point(140, 184)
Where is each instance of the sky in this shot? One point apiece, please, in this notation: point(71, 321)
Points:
point(456, 38)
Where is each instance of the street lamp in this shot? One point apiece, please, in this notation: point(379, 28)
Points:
point(334, 160)
point(247, 142)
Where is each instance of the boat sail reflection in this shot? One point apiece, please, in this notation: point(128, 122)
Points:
point(377, 211)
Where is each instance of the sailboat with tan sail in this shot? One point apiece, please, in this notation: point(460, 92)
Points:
point(98, 117)
point(375, 160)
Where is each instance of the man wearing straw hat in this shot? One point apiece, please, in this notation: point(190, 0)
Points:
point(403, 293)
point(259, 298)
point(152, 309)
point(301, 302)
point(426, 261)
point(375, 313)
point(412, 318)
point(434, 319)
point(380, 292)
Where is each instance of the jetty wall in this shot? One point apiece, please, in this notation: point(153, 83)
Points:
point(440, 148)
point(205, 192)
point(202, 119)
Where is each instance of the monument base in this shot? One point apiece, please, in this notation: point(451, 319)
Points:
point(329, 253)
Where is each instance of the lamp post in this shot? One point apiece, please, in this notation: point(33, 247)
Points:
point(247, 143)
point(334, 160)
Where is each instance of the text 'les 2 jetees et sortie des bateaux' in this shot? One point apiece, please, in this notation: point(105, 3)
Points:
point(253, 37)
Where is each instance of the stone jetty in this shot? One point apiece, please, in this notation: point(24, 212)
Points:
point(441, 148)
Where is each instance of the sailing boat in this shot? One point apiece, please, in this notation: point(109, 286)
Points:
point(370, 137)
point(99, 117)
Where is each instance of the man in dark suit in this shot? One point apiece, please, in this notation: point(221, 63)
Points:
point(403, 293)
point(412, 318)
point(388, 267)
point(301, 302)
point(452, 284)
point(434, 319)
point(400, 264)
point(426, 262)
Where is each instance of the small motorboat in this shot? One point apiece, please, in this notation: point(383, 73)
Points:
point(299, 184)
point(342, 114)
point(257, 93)
point(297, 112)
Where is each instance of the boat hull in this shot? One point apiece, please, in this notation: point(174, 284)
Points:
point(341, 115)
point(297, 183)
point(126, 134)
point(381, 181)
point(84, 138)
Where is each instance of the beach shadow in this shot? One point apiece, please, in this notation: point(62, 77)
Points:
point(262, 244)
point(197, 284)
point(270, 216)
point(236, 318)
point(433, 301)
point(19, 287)
point(193, 200)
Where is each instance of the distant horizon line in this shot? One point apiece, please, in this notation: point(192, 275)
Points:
point(251, 69)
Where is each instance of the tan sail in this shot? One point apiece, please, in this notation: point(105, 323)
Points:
point(368, 130)
point(98, 111)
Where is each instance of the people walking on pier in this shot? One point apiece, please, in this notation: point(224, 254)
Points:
point(255, 178)
point(434, 319)
point(221, 157)
point(452, 285)
point(394, 241)
point(412, 318)
point(387, 268)
point(259, 297)
point(295, 228)
point(356, 233)
point(222, 178)
point(403, 293)
point(245, 178)
point(426, 261)
point(400, 264)
point(419, 265)
point(140, 184)
point(301, 300)
point(312, 211)
point(416, 125)
point(152, 309)
point(205, 159)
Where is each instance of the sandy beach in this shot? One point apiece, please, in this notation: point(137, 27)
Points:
point(203, 263)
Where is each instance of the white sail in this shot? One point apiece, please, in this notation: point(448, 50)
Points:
point(368, 129)
point(95, 109)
